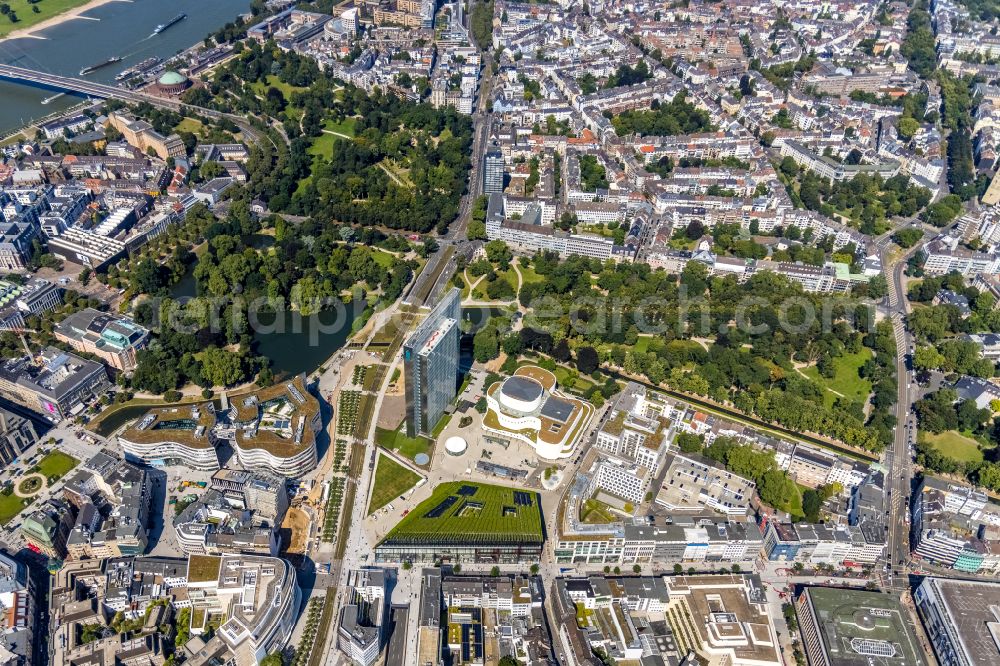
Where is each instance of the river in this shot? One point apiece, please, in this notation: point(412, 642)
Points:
point(115, 29)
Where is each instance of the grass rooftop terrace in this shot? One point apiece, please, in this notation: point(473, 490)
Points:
point(462, 512)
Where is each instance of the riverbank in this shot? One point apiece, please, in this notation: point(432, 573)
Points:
point(51, 13)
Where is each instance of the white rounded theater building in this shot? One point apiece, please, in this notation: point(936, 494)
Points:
point(456, 446)
point(527, 407)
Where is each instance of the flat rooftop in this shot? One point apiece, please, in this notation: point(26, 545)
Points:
point(730, 611)
point(436, 336)
point(972, 607)
point(522, 388)
point(862, 628)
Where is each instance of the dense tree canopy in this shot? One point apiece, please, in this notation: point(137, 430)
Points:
point(608, 306)
point(677, 117)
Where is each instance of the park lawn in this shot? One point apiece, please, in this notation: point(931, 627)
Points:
point(441, 425)
point(570, 381)
point(597, 230)
point(382, 258)
point(391, 481)
point(27, 18)
point(273, 81)
point(528, 275)
point(511, 277)
point(846, 380)
point(954, 445)
point(322, 146)
point(399, 175)
point(467, 287)
point(793, 504)
point(479, 293)
point(396, 440)
point(345, 126)
point(10, 506)
point(642, 344)
point(189, 125)
point(12, 139)
point(56, 464)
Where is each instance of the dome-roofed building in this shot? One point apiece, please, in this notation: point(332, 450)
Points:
point(172, 83)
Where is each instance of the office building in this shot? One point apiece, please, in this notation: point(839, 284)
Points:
point(361, 631)
point(259, 599)
point(472, 607)
point(843, 627)
point(619, 483)
point(182, 435)
point(18, 301)
point(275, 429)
point(430, 365)
point(723, 619)
point(16, 435)
point(696, 483)
point(240, 513)
point(675, 540)
point(140, 134)
point(112, 338)
point(961, 618)
point(272, 431)
point(955, 526)
point(468, 522)
point(635, 431)
point(825, 544)
point(264, 494)
point(55, 383)
point(493, 172)
point(429, 618)
point(46, 529)
point(113, 499)
point(15, 243)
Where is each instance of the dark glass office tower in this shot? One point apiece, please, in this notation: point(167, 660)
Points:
point(430, 365)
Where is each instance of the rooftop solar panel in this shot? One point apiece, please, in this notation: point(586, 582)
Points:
point(445, 504)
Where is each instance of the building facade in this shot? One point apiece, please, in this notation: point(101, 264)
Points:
point(430, 365)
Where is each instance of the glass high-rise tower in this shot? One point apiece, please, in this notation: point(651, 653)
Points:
point(430, 365)
point(493, 172)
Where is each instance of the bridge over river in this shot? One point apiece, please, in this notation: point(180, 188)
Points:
point(104, 91)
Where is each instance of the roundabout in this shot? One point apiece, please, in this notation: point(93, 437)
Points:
point(30, 485)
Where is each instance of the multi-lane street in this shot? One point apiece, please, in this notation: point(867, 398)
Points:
point(898, 461)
